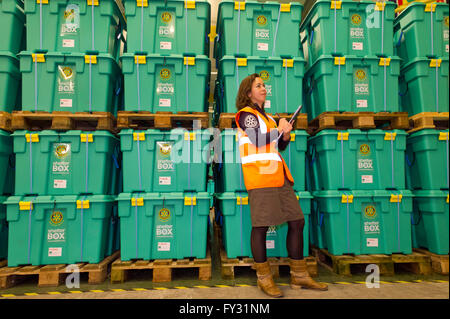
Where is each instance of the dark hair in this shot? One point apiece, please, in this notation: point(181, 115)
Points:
point(242, 99)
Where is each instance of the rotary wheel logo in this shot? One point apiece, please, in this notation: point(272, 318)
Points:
point(370, 212)
point(61, 151)
point(164, 214)
point(66, 72)
point(360, 75)
point(264, 75)
point(164, 74)
point(165, 149)
point(356, 19)
point(364, 149)
point(446, 21)
point(166, 17)
point(56, 218)
point(69, 14)
point(262, 20)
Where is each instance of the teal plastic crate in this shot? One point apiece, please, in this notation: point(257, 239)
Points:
point(237, 226)
point(10, 80)
point(165, 161)
point(423, 85)
point(427, 157)
point(283, 79)
point(316, 226)
point(365, 222)
point(168, 27)
point(163, 225)
point(258, 29)
point(113, 237)
point(350, 28)
point(166, 83)
point(3, 230)
point(6, 163)
point(72, 26)
point(47, 230)
point(352, 84)
point(67, 163)
point(430, 221)
point(356, 159)
point(69, 82)
point(12, 24)
point(421, 30)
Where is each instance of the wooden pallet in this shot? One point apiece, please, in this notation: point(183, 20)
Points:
point(162, 268)
point(53, 275)
point(360, 120)
point(3, 263)
point(228, 120)
point(433, 120)
point(5, 121)
point(415, 262)
point(61, 120)
point(439, 263)
point(162, 120)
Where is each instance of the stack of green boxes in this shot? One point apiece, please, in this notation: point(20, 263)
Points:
point(164, 206)
point(63, 210)
point(421, 37)
point(361, 205)
point(12, 23)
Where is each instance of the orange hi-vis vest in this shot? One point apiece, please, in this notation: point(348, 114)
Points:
point(261, 166)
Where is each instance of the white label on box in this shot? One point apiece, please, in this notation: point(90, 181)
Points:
point(357, 45)
point(367, 179)
point(263, 46)
point(163, 45)
point(165, 180)
point(60, 183)
point(446, 48)
point(55, 252)
point(372, 242)
point(164, 102)
point(65, 103)
point(270, 244)
point(267, 104)
point(445, 35)
point(361, 103)
point(68, 43)
point(163, 246)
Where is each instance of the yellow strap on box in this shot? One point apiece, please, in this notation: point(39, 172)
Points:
point(39, 58)
point(87, 138)
point(239, 5)
point(189, 136)
point(292, 137)
point(443, 136)
point(384, 61)
point(447, 199)
point(34, 138)
point(396, 198)
point(285, 7)
point(140, 59)
point(190, 201)
point(137, 201)
point(347, 199)
point(390, 136)
point(336, 5)
point(242, 200)
point(430, 7)
point(25, 206)
point(89, 2)
point(189, 4)
point(241, 61)
point(342, 136)
point(435, 62)
point(189, 60)
point(339, 60)
point(379, 6)
point(90, 59)
point(142, 3)
point(288, 63)
point(83, 204)
point(43, 1)
point(139, 136)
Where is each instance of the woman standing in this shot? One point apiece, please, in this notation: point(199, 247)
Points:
point(269, 185)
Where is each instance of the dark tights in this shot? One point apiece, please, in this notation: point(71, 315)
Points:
point(294, 241)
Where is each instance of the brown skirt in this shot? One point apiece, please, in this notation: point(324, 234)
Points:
point(272, 206)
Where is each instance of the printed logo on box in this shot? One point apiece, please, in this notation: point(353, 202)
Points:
point(164, 215)
point(164, 74)
point(56, 218)
point(356, 19)
point(364, 149)
point(261, 20)
point(370, 212)
point(166, 17)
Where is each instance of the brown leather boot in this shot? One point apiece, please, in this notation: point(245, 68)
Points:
point(300, 277)
point(265, 280)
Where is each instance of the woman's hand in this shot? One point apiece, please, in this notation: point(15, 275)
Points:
point(285, 127)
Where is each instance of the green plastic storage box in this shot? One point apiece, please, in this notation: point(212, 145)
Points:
point(69, 82)
point(165, 161)
point(430, 221)
point(352, 84)
point(168, 27)
point(66, 163)
point(427, 158)
point(6, 163)
point(166, 83)
point(9, 82)
point(423, 85)
point(421, 30)
point(366, 222)
point(357, 28)
point(48, 230)
point(12, 24)
point(283, 79)
point(163, 225)
point(3, 230)
point(237, 226)
point(251, 28)
point(72, 26)
point(356, 159)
